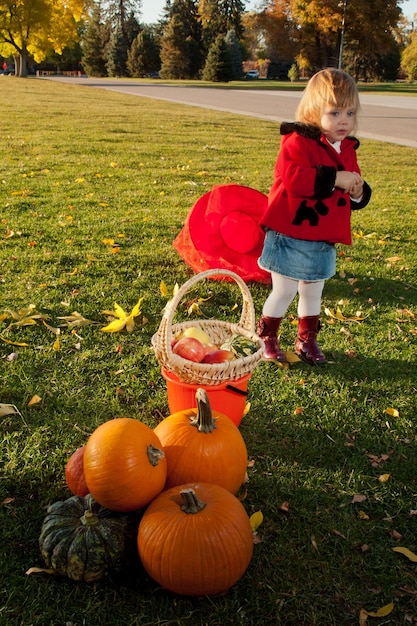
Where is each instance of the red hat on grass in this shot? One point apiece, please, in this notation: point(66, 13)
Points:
point(222, 231)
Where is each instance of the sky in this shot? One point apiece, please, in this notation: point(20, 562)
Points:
point(152, 9)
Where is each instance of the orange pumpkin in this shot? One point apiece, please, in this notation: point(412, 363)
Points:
point(195, 539)
point(74, 473)
point(124, 465)
point(203, 446)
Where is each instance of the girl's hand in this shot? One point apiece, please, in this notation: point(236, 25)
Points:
point(349, 182)
point(356, 191)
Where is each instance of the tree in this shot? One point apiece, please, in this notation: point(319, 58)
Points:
point(181, 41)
point(218, 17)
point(94, 42)
point(409, 60)
point(273, 34)
point(235, 51)
point(371, 50)
point(37, 27)
point(143, 56)
point(117, 54)
point(219, 65)
point(310, 32)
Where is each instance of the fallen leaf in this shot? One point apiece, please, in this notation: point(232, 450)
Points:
point(339, 534)
point(291, 357)
point(358, 498)
point(76, 319)
point(406, 552)
point(41, 570)
point(363, 515)
point(383, 611)
point(314, 543)
point(34, 400)
point(392, 412)
point(337, 314)
point(285, 507)
point(384, 478)
point(8, 409)
point(394, 534)
point(256, 520)
point(122, 319)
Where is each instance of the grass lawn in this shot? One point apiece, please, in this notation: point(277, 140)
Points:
point(94, 187)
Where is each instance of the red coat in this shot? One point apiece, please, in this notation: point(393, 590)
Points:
point(303, 202)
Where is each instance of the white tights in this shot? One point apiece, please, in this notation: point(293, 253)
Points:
point(284, 291)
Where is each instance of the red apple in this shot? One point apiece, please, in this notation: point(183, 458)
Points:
point(189, 348)
point(218, 356)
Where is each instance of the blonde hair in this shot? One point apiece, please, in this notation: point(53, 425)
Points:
point(329, 87)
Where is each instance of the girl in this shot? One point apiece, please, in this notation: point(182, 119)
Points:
point(317, 183)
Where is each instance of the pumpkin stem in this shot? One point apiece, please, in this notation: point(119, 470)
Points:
point(190, 502)
point(204, 420)
point(89, 519)
point(154, 455)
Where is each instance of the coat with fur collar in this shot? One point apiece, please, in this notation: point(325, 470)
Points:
point(303, 202)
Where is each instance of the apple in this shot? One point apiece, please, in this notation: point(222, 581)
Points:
point(197, 333)
point(218, 356)
point(189, 348)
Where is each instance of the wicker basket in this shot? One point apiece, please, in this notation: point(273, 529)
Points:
point(219, 331)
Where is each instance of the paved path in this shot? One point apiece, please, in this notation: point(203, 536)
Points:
point(385, 118)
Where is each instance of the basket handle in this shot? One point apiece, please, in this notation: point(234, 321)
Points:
point(247, 318)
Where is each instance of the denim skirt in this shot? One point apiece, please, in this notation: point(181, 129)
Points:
point(298, 258)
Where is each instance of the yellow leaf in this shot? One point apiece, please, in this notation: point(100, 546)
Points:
point(119, 312)
point(124, 320)
point(54, 330)
point(130, 324)
point(246, 409)
point(14, 343)
point(3, 317)
point(194, 308)
point(56, 345)
point(108, 242)
point(91, 257)
point(114, 326)
point(363, 515)
point(406, 552)
point(75, 319)
point(392, 412)
point(163, 289)
point(291, 357)
point(383, 611)
point(384, 478)
point(136, 309)
point(256, 520)
point(34, 400)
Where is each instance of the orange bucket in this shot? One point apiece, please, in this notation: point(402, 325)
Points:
point(228, 398)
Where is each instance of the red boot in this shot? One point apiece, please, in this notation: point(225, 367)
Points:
point(267, 330)
point(306, 345)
